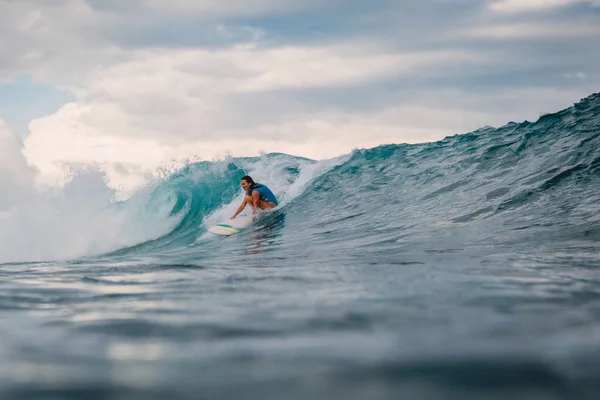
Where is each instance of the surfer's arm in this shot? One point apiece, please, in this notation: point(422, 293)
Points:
point(240, 209)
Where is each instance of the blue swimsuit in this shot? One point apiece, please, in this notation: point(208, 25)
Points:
point(264, 193)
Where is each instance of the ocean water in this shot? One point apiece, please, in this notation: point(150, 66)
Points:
point(467, 268)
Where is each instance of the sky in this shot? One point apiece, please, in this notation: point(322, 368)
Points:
point(130, 86)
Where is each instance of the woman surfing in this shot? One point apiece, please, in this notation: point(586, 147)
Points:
point(258, 196)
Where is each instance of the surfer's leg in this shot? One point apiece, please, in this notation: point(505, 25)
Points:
point(263, 205)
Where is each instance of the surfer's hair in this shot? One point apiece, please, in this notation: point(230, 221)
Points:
point(248, 179)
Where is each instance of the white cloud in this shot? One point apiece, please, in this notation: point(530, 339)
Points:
point(246, 68)
point(53, 41)
point(575, 75)
point(516, 6)
point(331, 66)
point(533, 30)
point(60, 41)
point(211, 8)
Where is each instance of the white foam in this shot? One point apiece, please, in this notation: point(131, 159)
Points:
point(77, 220)
point(16, 177)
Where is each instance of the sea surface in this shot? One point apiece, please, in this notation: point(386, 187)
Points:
point(468, 268)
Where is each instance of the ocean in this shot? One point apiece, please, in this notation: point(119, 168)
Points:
point(467, 268)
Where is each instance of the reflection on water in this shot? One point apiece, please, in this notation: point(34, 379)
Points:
point(267, 232)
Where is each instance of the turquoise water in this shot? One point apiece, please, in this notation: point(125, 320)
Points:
point(467, 268)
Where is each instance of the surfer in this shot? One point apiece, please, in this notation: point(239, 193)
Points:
point(257, 196)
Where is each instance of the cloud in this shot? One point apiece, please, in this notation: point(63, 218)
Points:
point(177, 95)
point(62, 41)
point(52, 41)
point(516, 6)
point(202, 8)
point(534, 30)
point(331, 66)
point(575, 75)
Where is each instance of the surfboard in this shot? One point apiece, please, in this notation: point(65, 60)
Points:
point(232, 226)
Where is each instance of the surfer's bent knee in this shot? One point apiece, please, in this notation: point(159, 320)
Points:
point(267, 205)
point(263, 205)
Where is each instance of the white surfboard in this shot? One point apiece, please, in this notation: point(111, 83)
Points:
point(232, 226)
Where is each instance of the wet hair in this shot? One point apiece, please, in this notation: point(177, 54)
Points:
point(248, 179)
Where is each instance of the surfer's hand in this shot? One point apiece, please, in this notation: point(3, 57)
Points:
point(232, 217)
